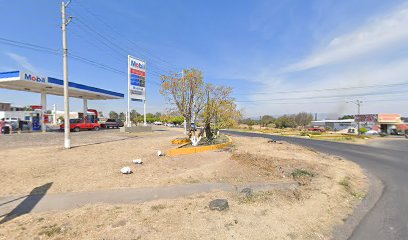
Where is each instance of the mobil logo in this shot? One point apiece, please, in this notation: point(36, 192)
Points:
point(34, 78)
point(137, 64)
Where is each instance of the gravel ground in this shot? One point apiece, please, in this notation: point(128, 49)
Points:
point(56, 138)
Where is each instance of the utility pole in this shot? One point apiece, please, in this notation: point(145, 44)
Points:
point(358, 103)
point(65, 22)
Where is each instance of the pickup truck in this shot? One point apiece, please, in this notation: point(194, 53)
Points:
point(78, 124)
point(112, 123)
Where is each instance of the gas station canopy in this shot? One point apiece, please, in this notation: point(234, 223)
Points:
point(22, 81)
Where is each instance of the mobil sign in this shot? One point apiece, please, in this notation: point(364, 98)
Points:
point(33, 78)
point(136, 78)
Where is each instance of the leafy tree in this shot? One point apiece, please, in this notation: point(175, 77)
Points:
point(220, 109)
point(303, 119)
point(248, 121)
point(346, 117)
point(100, 114)
point(267, 119)
point(122, 116)
point(285, 121)
point(113, 114)
point(185, 92)
point(176, 120)
point(135, 116)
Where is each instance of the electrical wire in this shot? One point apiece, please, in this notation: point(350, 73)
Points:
point(327, 89)
point(100, 19)
point(320, 97)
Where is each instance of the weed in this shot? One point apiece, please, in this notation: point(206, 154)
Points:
point(158, 207)
point(302, 176)
point(302, 173)
point(349, 188)
point(50, 230)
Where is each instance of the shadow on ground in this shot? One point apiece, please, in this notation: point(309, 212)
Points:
point(27, 204)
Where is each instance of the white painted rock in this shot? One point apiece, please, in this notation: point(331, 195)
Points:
point(160, 153)
point(126, 170)
point(137, 161)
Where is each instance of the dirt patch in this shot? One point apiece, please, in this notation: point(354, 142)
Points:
point(329, 189)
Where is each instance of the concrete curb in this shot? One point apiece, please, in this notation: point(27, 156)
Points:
point(181, 151)
point(180, 141)
point(375, 191)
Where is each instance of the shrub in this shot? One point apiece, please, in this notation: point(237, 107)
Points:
point(363, 130)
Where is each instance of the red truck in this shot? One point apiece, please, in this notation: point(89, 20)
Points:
point(78, 124)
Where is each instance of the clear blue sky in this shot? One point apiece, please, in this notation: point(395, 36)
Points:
point(271, 52)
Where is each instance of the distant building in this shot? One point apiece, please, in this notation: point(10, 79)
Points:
point(386, 123)
point(5, 106)
point(335, 125)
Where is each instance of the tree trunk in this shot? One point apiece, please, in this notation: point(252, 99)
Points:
point(208, 132)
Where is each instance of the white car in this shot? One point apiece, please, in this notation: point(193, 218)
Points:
point(371, 132)
point(157, 123)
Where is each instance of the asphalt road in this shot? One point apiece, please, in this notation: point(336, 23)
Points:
point(389, 162)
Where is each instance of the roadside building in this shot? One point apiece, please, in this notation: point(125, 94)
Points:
point(39, 117)
point(335, 125)
point(385, 123)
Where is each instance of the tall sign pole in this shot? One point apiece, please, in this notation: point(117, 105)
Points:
point(136, 84)
point(129, 124)
point(65, 22)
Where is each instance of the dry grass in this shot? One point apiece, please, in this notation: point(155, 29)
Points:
point(330, 189)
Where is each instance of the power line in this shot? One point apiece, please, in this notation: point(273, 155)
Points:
point(102, 37)
point(100, 19)
point(108, 43)
point(72, 56)
point(327, 89)
point(330, 102)
point(319, 97)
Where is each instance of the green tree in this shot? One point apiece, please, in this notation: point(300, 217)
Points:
point(346, 117)
point(267, 119)
point(122, 116)
point(285, 121)
point(113, 114)
point(220, 109)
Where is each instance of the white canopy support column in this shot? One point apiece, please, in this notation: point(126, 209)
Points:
point(43, 110)
point(85, 107)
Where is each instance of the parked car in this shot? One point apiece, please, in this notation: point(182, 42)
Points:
point(371, 132)
point(170, 125)
point(316, 129)
point(157, 123)
point(13, 122)
point(112, 123)
point(78, 124)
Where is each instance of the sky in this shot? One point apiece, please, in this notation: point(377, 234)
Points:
point(280, 57)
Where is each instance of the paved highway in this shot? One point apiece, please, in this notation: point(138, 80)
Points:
point(388, 220)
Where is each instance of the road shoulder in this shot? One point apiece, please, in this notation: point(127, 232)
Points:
point(375, 191)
